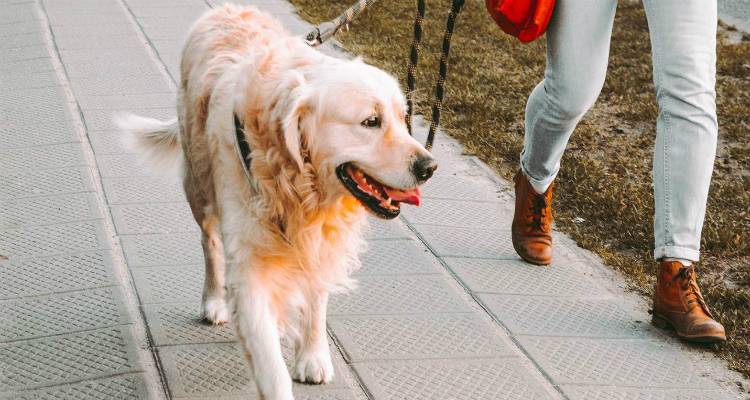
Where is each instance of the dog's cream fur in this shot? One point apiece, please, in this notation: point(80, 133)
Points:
point(294, 233)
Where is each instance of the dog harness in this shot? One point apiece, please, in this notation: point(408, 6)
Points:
point(242, 149)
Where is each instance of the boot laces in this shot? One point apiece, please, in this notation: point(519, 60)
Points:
point(538, 209)
point(688, 282)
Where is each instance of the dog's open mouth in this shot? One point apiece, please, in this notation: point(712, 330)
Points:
point(382, 200)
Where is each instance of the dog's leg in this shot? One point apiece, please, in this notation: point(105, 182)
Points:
point(256, 324)
point(213, 306)
point(313, 357)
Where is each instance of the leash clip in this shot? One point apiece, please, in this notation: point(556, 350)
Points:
point(321, 33)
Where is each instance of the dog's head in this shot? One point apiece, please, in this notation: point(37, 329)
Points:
point(348, 120)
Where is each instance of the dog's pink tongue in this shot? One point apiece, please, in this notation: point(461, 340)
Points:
point(411, 196)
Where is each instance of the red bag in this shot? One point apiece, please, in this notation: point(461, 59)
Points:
point(524, 19)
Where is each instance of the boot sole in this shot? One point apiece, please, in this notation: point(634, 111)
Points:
point(530, 260)
point(664, 323)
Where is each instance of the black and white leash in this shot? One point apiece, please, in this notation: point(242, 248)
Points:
point(326, 30)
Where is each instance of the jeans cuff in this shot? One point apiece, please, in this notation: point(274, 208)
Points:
point(676, 252)
point(539, 185)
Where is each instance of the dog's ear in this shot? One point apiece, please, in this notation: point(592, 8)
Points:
point(294, 109)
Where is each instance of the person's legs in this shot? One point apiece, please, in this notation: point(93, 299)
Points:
point(577, 53)
point(578, 40)
point(683, 41)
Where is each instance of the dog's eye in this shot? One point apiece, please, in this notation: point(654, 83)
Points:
point(372, 121)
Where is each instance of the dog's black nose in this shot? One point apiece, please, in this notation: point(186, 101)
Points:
point(423, 168)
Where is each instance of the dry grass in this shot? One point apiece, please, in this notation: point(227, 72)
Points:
point(605, 176)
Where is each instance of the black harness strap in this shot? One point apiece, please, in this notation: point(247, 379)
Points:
point(243, 148)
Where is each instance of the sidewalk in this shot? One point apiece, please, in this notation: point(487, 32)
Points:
point(101, 264)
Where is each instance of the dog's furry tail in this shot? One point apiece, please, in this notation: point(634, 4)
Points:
point(157, 142)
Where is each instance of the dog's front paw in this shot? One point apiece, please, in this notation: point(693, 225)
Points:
point(214, 311)
point(314, 367)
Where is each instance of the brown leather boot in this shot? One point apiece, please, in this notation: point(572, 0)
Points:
point(678, 304)
point(532, 222)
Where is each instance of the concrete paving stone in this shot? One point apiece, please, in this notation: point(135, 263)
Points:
point(171, 58)
point(41, 276)
point(45, 182)
point(273, 7)
point(621, 393)
point(102, 119)
point(189, 10)
point(461, 188)
point(138, 219)
point(34, 317)
point(164, 29)
point(41, 157)
point(132, 62)
point(454, 379)
point(522, 278)
point(56, 113)
point(33, 211)
point(76, 18)
point(97, 41)
point(143, 190)
point(404, 256)
point(123, 27)
point(468, 242)
point(174, 70)
point(146, 4)
point(14, 54)
point(19, 69)
point(53, 239)
point(127, 387)
point(459, 213)
point(219, 369)
point(57, 9)
point(621, 362)
point(49, 102)
point(121, 166)
point(300, 393)
point(408, 337)
point(172, 47)
point(18, 13)
point(19, 28)
point(158, 105)
point(155, 250)
point(172, 23)
point(173, 324)
point(182, 284)
point(106, 86)
point(382, 229)
point(399, 295)
point(68, 358)
point(30, 81)
point(554, 316)
point(36, 133)
point(107, 142)
point(21, 40)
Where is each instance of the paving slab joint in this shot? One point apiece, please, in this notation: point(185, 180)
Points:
point(120, 269)
point(487, 311)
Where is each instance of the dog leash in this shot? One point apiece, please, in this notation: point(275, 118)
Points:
point(327, 30)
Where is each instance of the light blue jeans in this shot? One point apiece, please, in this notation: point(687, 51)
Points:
point(683, 40)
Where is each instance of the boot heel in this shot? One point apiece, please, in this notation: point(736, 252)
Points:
point(660, 322)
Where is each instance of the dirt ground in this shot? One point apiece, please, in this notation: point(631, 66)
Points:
point(604, 192)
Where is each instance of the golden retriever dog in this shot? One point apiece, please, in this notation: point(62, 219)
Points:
point(326, 143)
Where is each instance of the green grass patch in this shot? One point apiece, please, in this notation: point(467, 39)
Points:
point(606, 171)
